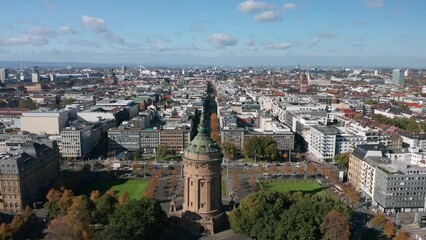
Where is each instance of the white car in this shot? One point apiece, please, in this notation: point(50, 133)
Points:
point(256, 165)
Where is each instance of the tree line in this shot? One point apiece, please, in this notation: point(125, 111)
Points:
point(408, 124)
point(77, 217)
point(274, 215)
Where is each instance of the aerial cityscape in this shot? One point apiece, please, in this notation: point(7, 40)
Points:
point(239, 119)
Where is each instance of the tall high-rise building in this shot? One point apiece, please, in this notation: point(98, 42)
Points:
point(4, 74)
point(35, 75)
point(123, 69)
point(398, 77)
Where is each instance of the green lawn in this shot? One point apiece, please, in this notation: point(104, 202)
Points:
point(294, 186)
point(134, 188)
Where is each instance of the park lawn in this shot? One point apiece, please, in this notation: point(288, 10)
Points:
point(295, 186)
point(134, 188)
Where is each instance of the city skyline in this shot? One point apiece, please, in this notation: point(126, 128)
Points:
point(321, 33)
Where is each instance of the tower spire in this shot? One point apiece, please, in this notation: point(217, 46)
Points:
point(201, 127)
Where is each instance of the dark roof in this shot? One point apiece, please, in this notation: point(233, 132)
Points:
point(362, 150)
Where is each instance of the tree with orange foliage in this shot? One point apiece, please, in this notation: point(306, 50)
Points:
point(287, 169)
point(352, 194)
point(273, 169)
point(252, 182)
point(150, 190)
point(76, 223)
point(311, 169)
point(214, 128)
point(301, 170)
point(402, 235)
point(136, 167)
point(235, 181)
point(379, 220)
point(389, 229)
point(123, 198)
point(6, 231)
point(95, 195)
point(58, 201)
point(335, 226)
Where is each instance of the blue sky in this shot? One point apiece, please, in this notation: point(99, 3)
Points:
point(270, 32)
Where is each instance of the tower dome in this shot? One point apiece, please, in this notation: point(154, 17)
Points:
point(202, 147)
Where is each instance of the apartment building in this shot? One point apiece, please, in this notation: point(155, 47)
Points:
point(323, 142)
point(394, 179)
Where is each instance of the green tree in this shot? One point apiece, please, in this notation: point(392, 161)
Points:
point(66, 101)
point(265, 147)
point(258, 213)
point(273, 215)
point(105, 206)
point(27, 103)
point(164, 150)
point(342, 159)
point(138, 219)
point(137, 155)
point(229, 150)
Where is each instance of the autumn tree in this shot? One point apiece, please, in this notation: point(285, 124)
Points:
point(335, 226)
point(172, 184)
point(402, 235)
point(252, 182)
point(76, 223)
point(389, 229)
point(352, 194)
point(229, 150)
point(136, 167)
point(123, 198)
point(152, 185)
point(311, 169)
point(58, 201)
point(214, 128)
point(95, 195)
point(287, 169)
point(301, 170)
point(235, 181)
point(378, 221)
point(273, 169)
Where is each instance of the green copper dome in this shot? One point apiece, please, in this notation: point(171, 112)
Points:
point(202, 143)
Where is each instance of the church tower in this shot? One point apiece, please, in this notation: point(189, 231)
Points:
point(202, 198)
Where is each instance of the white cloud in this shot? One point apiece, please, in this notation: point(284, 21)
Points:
point(98, 26)
point(279, 46)
point(92, 22)
point(374, 3)
point(67, 30)
point(222, 40)
point(41, 31)
point(35, 36)
point(289, 6)
point(253, 6)
point(268, 16)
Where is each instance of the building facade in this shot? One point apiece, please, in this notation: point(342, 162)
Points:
point(26, 174)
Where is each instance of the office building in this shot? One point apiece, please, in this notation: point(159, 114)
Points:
point(47, 121)
point(398, 77)
point(4, 74)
